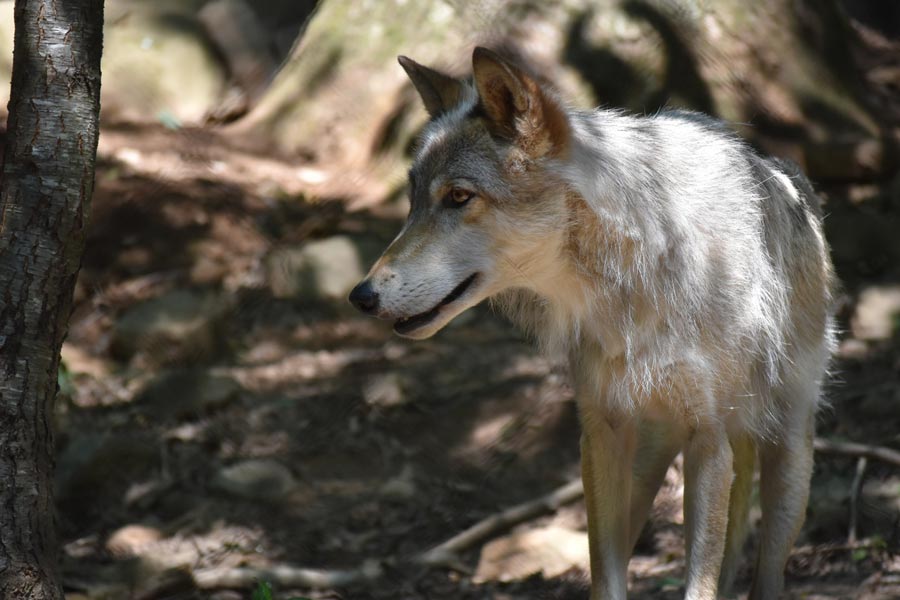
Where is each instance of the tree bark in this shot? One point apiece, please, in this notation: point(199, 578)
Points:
point(45, 191)
point(342, 75)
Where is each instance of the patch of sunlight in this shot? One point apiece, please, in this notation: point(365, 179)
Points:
point(487, 434)
point(876, 313)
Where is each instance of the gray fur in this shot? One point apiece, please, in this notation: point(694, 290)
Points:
point(686, 276)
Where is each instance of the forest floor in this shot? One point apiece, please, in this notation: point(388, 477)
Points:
point(223, 407)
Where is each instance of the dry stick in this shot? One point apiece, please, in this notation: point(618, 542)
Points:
point(854, 498)
point(447, 553)
point(863, 544)
point(881, 453)
point(444, 554)
point(287, 576)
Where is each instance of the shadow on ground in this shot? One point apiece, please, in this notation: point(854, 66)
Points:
point(222, 406)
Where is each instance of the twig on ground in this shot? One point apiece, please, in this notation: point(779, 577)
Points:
point(286, 575)
point(881, 453)
point(854, 498)
point(447, 553)
point(863, 544)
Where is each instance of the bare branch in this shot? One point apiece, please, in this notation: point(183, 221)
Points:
point(854, 498)
point(286, 575)
point(445, 553)
point(881, 453)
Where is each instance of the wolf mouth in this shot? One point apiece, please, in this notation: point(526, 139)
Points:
point(409, 324)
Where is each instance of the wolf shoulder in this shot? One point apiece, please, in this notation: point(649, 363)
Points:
point(776, 179)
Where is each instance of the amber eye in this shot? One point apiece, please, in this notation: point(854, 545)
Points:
point(457, 198)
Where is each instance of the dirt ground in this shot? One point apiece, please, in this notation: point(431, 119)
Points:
point(272, 425)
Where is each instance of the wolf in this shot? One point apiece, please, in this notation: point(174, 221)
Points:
point(685, 276)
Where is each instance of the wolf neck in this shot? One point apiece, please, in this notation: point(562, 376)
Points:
point(615, 166)
point(618, 238)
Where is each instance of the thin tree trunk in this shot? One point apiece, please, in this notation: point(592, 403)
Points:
point(45, 191)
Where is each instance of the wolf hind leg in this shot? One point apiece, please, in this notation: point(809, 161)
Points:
point(786, 464)
point(743, 449)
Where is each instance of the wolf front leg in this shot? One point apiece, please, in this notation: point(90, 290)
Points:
point(607, 453)
point(658, 443)
point(708, 474)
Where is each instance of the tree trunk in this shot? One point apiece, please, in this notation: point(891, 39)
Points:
point(45, 191)
point(342, 78)
point(786, 67)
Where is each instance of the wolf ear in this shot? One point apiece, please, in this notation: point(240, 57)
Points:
point(516, 107)
point(439, 92)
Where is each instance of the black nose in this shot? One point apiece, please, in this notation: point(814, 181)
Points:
point(364, 298)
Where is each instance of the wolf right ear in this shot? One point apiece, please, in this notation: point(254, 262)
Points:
point(439, 92)
point(516, 106)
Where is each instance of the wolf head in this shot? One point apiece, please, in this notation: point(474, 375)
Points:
point(487, 211)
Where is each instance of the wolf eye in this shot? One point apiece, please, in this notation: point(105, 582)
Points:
point(457, 197)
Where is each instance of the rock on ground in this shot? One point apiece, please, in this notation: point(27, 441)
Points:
point(256, 479)
point(91, 469)
point(385, 391)
point(181, 326)
point(186, 393)
point(324, 270)
point(130, 540)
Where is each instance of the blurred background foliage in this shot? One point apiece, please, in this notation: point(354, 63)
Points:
point(221, 406)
